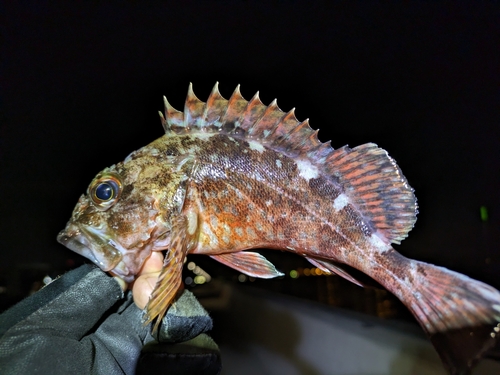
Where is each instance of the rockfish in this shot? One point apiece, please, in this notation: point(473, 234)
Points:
point(233, 175)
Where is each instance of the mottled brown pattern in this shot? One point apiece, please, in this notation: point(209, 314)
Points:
point(263, 190)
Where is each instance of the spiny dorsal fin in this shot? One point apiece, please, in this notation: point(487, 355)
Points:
point(173, 118)
point(369, 176)
point(215, 109)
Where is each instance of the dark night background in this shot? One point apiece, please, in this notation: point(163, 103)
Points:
point(81, 84)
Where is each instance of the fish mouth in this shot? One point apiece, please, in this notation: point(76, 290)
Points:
point(90, 244)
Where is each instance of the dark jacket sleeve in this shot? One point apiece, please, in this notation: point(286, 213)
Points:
point(67, 327)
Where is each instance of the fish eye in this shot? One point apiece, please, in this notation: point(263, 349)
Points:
point(105, 190)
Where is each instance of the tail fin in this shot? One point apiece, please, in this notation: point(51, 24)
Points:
point(461, 315)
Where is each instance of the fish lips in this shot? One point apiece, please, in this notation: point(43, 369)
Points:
point(91, 246)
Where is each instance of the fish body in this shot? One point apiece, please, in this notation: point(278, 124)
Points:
point(234, 175)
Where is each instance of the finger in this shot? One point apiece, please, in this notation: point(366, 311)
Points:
point(143, 287)
point(154, 263)
point(121, 282)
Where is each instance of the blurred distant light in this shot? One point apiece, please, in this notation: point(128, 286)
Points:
point(47, 280)
point(484, 213)
point(250, 278)
point(294, 274)
point(199, 279)
point(317, 271)
point(191, 266)
point(188, 280)
point(242, 278)
point(197, 270)
point(307, 272)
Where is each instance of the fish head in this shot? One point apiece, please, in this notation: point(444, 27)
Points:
point(124, 214)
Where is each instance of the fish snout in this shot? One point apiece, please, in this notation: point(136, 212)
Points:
point(90, 245)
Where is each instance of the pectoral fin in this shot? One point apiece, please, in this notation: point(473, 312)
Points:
point(330, 267)
point(170, 280)
point(249, 263)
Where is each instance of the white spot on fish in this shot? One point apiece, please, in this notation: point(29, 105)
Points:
point(226, 237)
point(306, 169)
point(214, 158)
point(256, 146)
point(340, 202)
point(214, 222)
point(227, 229)
point(269, 202)
point(278, 163)
point(192, 222)
point(203, 135)
point(238, 231)
point(266, 133)
point(213, 240)
point(378, 244)
point(129, 157)
point(251, 232)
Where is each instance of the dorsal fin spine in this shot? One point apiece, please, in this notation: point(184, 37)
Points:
point(193, 110)
point(163, 122)
point(235, 106)
point(215, 109)
point(253, 111)
point(282, 129)
point(173, 117)
point(267, 122)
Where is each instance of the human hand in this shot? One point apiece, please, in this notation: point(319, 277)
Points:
point(146, 279)
point(185, 319)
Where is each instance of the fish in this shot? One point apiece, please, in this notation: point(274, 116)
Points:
point(230, 176)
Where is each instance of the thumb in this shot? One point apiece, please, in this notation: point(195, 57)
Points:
point(143, 287)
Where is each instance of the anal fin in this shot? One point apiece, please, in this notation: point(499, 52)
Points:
point(249, 263)
point(330, 267)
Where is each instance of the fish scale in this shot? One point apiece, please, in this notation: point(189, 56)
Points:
point(234, 175)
